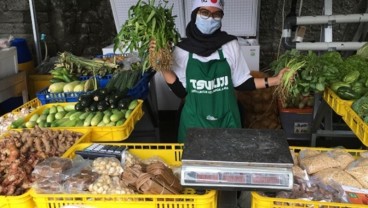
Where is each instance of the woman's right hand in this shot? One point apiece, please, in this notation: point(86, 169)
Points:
point(152, 45)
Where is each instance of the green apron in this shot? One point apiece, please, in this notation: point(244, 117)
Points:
point(210, 100)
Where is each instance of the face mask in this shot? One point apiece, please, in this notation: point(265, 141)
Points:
point(207, 26)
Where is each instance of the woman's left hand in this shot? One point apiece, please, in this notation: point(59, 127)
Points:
point(280, 74)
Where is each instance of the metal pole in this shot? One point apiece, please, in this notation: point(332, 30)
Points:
point(36, 36)
point(332, 19)
point(326, 46)
point(328, 26)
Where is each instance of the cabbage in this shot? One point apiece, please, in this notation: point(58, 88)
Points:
point(70, 86)
point(56, 87)
point(363, 51)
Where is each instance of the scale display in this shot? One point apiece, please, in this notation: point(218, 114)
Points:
point(237, 178)
point(237, 159)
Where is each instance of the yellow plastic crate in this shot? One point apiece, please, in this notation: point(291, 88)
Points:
point(335, 102)
point(23, 201)
point(259, 201)
point(34, 103)
point(357, 125)
point(170, 153)
point(26, 200)
point(103, 133)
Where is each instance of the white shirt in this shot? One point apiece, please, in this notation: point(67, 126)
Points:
point(239, 69)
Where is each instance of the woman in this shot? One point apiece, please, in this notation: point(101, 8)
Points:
point(208, 67)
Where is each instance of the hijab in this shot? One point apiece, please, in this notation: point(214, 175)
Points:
point(202, 44)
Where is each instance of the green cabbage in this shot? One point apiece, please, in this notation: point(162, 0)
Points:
point(363, 51)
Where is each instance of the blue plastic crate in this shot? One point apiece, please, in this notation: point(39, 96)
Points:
point(101, 80)
point(141, 89)
point(46, 97)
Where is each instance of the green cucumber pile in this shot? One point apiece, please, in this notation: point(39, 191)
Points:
point(68, 116)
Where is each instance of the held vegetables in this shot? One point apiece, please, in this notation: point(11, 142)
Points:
point(288, 86)
point(148, 22)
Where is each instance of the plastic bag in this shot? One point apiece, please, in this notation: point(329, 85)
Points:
point(52, 169)
point(359, 170)
point(129, 160)
point(294, 157)
point(109, 185)
point(298, 172)
point(317, 163)
point(335, 177)
point(344, 158)
point(78, 164)
point(80, 182)
point(305, 153)
point(5, 42)
point(107, 166)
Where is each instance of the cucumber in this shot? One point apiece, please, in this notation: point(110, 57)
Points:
point(30, 124)
point(79, 123)
point(106, 117)
point(128, 112)
point(69, 123)
point(117, 116)
point(42, 124)
point(112, 123)
point(69, 107)
point(101, 123)
point(96, 119)
point(34, 117)
point(46, 111)
point(68, 114)
point(53, 110)
point(87, 121)
point(60, 108)
point(83, 115)
point(50, 117)
point(57, 123)
point(75, 115)
point(17, 123)
point(133, 104)
point(121, 122)
point(41, 118)
point(60, 115)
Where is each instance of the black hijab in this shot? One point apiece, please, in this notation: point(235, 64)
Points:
point(203, 44)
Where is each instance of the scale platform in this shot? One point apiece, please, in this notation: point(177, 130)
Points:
point(237, 159)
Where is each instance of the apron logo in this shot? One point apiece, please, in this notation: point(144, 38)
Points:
point(211, 118)
point(210, 85)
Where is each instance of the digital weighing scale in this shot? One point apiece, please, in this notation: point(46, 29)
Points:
point(237, 159)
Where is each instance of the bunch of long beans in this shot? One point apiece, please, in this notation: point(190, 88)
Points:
point(147, 22)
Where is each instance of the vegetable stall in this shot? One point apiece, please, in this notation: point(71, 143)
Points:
point(72, 145)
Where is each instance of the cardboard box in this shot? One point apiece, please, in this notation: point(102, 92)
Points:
point(8, 62)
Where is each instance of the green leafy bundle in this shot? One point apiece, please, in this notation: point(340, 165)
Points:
point(308, 74)
point(147, 22)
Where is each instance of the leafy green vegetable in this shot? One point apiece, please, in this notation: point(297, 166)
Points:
point(363, 51)
point(147, 22)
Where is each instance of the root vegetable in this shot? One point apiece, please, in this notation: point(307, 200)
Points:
point(21, 151)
